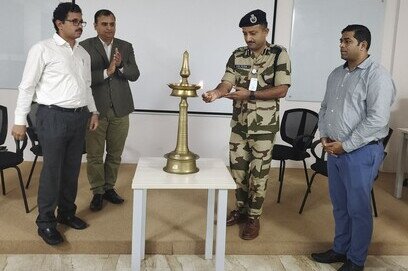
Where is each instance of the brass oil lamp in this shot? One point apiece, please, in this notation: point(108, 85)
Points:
point(181, 160)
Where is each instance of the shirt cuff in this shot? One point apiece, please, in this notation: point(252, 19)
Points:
point(105, 74)
point(20, 120)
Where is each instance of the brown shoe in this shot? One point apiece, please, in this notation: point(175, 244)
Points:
point(251, 229)
point(235, 217)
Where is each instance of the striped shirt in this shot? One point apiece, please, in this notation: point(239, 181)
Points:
point(357, 104)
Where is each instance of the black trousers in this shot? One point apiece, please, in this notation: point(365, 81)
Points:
point(61, 135)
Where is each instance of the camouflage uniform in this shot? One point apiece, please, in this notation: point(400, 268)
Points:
point(254, 123)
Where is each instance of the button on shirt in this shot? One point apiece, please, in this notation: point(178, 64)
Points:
point(55, 74)
point(356, 106)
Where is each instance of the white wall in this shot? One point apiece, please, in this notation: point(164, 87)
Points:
point(399, 117)
point(155, 134)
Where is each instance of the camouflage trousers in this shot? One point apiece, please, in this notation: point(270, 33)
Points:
point(250, 160)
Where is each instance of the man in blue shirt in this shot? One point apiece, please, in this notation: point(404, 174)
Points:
point(353, 120)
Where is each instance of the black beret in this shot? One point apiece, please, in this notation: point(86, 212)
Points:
point(253, 18)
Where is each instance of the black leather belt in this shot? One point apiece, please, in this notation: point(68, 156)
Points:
point(63, 109)
point(374, 142)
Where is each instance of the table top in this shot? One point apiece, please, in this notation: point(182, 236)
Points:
point(212, 174)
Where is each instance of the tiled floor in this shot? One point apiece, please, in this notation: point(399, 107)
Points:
point(55, 262)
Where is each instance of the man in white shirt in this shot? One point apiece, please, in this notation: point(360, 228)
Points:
point(57, 75)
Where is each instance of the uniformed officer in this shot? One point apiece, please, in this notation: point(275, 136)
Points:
point(256, 76)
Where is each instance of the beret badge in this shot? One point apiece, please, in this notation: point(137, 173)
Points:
point(253, 18)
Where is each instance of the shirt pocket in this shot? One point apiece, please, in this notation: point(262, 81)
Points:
point(266, 112)
point(268, 79)
point(60, 65)
point(242, 76)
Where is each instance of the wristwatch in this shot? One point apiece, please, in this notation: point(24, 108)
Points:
point(252, 95)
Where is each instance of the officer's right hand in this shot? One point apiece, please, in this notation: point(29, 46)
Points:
point(210, 96)
point(19, 132)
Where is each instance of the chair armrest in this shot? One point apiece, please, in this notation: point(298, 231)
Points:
point(20, 147)
point(320, 157)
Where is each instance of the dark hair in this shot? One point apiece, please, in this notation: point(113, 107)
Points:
point(61, 12)
point(103, 12)
point(361, 33)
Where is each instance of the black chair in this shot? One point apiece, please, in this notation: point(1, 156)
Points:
point(10, 159)
point(32, 134)
point(320, 167)
point(298, 128)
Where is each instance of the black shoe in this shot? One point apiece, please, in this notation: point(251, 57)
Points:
point(73, 222)
point(111, 196)
point(329, 256)
point(51, 236)
point(350, 266)
point(96, 203)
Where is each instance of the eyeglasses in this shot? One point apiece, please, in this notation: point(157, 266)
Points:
point(77, 22)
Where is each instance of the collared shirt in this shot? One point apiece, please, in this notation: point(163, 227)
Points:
point(357, 104)
point(55, 74)
point(108, 51)
point(257, 116)
point(107, 47)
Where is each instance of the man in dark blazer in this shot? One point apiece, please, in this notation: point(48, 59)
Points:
point(113, 65)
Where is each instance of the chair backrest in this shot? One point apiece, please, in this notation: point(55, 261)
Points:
point(32, 116)
point(3, 124)
point(32, 120)
point(387, 138)
point(385, 141)
point(298, 127)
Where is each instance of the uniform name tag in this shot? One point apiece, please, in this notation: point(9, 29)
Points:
point(243, 66)
point(253, 84)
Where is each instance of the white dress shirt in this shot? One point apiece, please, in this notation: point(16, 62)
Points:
point(55, 74)
point(108, 51)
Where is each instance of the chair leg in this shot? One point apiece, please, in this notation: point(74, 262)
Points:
point(31, 172)
point(20, 178)
point(307, 176)
point(373, 200)
point(3, 186)
point(281, 174)
point(308, 190)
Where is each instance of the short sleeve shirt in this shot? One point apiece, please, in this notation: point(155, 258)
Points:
point(257, 116)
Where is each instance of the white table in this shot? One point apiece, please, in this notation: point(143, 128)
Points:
point(402, 161)
point(213, 175)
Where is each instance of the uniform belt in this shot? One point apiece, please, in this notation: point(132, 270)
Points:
point(374, 142)
point(63, 109)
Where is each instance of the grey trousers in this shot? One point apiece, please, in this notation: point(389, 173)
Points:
point(61, 135)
